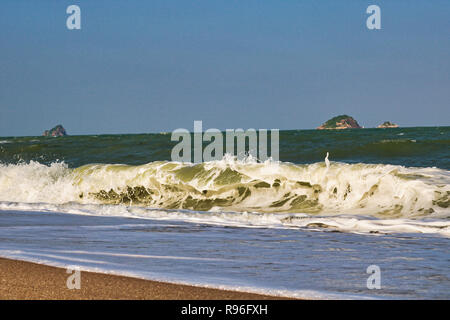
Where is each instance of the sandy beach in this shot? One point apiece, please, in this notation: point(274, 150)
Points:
point(24, 280)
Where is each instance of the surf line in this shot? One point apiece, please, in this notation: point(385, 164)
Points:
point(250, 143)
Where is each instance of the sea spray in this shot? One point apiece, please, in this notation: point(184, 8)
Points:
point(385, 191)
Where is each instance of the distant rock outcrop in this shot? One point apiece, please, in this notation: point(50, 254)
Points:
point(57, 131)
point(340, 122)
point(388, 124)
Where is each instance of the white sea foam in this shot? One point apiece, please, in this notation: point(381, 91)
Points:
point(344, 223)
point(345, 197)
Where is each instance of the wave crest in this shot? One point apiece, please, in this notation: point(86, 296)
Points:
point(242, 186)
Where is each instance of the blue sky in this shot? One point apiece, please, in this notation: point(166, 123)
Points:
point(150, 66)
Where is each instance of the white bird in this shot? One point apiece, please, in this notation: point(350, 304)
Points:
point(327, 162)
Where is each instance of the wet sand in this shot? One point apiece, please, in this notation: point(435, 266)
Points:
point(25, 280)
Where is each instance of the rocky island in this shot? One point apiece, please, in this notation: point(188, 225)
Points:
point(388, 124)
point(57, 131)
point(340, 122)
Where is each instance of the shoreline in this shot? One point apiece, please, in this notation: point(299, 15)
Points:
point(23, 280)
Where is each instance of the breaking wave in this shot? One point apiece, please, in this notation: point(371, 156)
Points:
point(384, 191)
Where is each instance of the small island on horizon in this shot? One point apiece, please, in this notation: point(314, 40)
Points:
point(57, 131)
point(388, 124)
point(340, 122)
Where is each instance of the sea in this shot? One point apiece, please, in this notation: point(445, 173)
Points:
point(372, 221)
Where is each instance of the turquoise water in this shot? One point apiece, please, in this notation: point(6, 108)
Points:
point(298, 227)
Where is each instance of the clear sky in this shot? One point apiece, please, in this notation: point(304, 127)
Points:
point(150, 66)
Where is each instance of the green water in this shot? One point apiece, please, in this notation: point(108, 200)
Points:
point(412, 147)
